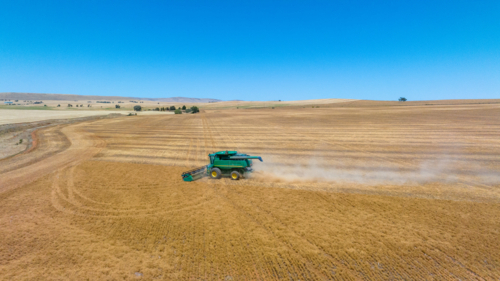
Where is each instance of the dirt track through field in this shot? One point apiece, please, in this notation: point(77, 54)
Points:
point(59, 147)
point(105, 200)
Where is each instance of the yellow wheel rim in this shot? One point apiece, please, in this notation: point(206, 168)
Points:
point(234, 175)
point(214, 174)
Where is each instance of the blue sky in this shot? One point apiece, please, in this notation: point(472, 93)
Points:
point(254, 50)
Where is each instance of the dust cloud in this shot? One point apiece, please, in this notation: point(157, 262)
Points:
point(445, 170)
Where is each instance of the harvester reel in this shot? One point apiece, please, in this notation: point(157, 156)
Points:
point(215, 173)
point(235, 175)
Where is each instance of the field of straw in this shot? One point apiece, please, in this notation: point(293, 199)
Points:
point(347, 191)
point(10, 116)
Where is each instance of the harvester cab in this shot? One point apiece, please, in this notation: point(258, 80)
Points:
point(223, 163)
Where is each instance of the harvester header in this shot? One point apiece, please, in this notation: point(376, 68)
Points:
point(223, 163)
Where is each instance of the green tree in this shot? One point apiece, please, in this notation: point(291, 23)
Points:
point(402, 99)
point(137, 108)
point(183, 107)
point(195, 109)
point(172, 107)
point(178, 111)
point(117, 106)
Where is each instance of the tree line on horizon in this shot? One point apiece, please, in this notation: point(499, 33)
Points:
point(193, 109)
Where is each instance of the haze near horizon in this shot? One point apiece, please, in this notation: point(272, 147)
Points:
point(284, 50)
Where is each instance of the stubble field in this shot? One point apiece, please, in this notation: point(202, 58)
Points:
point(353, 190)
point(9, 116)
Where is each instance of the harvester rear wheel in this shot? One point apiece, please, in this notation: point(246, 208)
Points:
point(215, 173)
point(235, 175)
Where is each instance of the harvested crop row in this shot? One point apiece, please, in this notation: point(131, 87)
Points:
point(331, 200)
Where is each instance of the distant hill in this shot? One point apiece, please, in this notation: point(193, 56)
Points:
point(180, 99)
point(35, 96)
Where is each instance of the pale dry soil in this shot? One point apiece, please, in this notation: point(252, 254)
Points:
point(9, 116)
point(11, 144)
point(348, 191)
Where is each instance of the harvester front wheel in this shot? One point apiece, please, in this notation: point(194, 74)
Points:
point(235, 175)
point(215, 173)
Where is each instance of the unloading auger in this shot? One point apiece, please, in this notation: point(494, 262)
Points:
point(223, 163)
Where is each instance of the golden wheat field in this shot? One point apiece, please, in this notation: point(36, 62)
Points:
point(355, 190)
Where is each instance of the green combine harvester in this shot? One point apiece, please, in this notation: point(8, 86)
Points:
point(223, 163)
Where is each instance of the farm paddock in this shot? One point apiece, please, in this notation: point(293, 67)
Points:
point(354, 190)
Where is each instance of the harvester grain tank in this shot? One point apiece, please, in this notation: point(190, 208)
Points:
point(223, 163)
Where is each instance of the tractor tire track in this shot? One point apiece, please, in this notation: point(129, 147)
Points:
point(80, 146)
point(64, 203)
